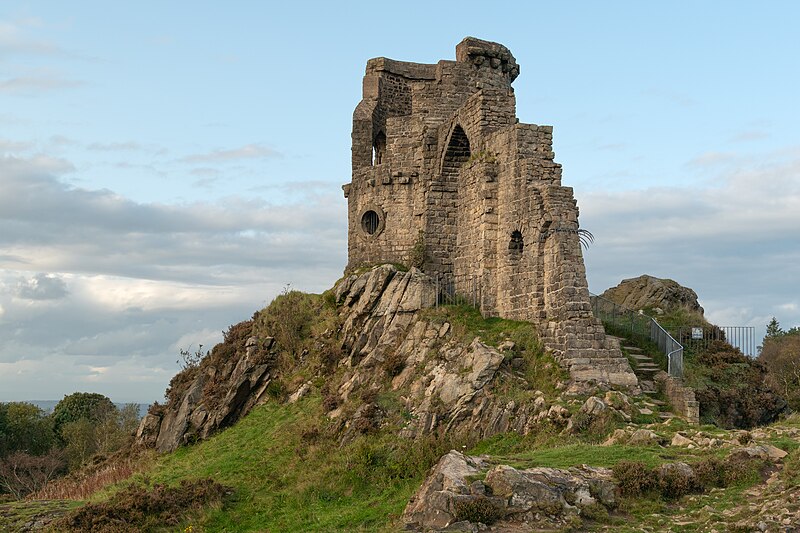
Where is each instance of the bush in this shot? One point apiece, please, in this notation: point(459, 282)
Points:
point(733, 389)
point(137, 508)
point(709, 473)
point(674, 481)
point(634, 478)
point(393, 363)
point(289, 318)
point(22, 474)
point(478, 509)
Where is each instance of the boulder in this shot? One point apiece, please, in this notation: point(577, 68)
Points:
point(432, 506)
point(681, 440)
point(530, 499)
point(644, 437)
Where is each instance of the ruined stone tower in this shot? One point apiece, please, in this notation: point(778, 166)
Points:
point(444, 175)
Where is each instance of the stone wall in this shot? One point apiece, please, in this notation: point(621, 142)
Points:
point(680, 396)
point(440, 160)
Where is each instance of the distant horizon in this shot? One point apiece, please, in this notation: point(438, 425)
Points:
point(143, 407)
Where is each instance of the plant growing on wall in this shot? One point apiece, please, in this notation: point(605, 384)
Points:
point(417, 257)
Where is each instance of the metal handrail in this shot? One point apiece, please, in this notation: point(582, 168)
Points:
point(642, 326)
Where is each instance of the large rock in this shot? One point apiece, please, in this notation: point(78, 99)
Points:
point(649, 292)
point(533, 498)
point(433, 505)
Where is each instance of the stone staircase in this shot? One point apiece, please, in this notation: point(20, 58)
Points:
point(645, 369)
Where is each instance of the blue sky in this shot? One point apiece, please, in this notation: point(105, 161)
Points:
point(166, 168)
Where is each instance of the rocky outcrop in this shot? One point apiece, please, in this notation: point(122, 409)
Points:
point(447, 382)
point(385, 343)
point(460, 488)
point(213, 397)
point(647, 292)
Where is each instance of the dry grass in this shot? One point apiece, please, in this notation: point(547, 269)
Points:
point(87, 482)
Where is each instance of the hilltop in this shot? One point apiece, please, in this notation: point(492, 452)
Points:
point(371, 408)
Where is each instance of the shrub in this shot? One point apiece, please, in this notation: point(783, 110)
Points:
point(289, 318)
point(595, 511)
point(393, 363)
point(330, 401)
point(137, 508)
point(732, 389)
point(634, 478)
point(709, 473)
point(675, 480)
point(478, 509)
point(22, 474)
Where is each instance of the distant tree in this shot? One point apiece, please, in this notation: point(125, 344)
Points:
point(24, 427)
point(781, 356)
point(82, 405)
point(773, 329)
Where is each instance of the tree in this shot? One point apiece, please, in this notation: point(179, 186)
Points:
point(25, 427)
point(781, 356)
point(82, 405)
point(773, 329)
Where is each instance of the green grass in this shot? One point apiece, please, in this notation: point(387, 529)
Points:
point(282, 482)
point(540, 370)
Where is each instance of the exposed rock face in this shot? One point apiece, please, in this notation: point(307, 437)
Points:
point(649, 292)
point(536, 497)
point(446, 383)
point(194, 414)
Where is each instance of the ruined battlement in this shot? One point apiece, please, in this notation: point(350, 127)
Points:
point(446, 178)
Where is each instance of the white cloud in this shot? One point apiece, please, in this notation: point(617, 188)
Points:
point(13, 40)
point(735, 243)
point(249, 151)
point(37, 82)
point(144, 279)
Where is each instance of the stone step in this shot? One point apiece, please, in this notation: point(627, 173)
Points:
point(664, 415)
point(640, 357)
point(656, 401)
point(632, 349)
point(643, 364)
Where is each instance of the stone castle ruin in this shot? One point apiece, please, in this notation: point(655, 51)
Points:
point(446, 178)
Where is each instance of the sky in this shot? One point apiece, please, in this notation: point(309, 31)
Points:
point(167, 168)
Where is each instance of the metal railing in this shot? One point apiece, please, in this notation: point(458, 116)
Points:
point(458, 290)
point(638, 326)
point(741, 337)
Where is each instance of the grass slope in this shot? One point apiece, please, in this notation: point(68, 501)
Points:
point(288, 477)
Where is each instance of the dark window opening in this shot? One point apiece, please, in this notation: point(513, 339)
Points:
point(516, 244)
point(378, 148)
point(370, 222)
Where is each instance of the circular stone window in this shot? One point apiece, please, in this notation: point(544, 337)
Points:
point(370, 222)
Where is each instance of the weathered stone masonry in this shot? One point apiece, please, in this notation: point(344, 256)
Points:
point(441, 161)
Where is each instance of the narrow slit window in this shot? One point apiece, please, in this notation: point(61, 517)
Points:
point(516, 243)
point(378, 148)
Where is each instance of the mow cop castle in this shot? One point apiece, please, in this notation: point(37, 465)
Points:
point(445, 176)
